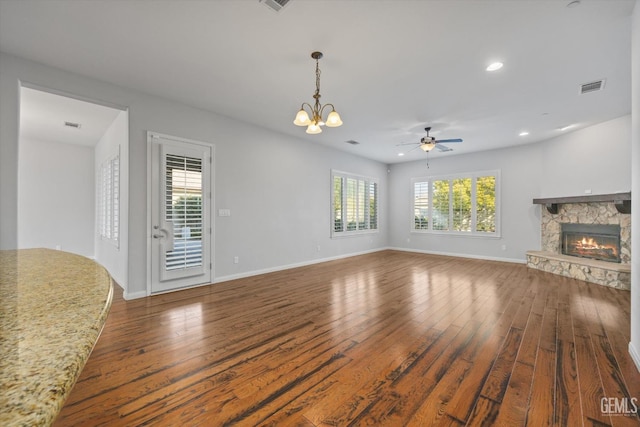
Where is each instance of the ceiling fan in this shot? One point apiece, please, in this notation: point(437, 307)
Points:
point(428, 143)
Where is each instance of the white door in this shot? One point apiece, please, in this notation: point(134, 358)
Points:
point(180, 213)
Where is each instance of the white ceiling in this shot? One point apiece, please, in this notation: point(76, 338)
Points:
point(43, 116)
point(390, 67)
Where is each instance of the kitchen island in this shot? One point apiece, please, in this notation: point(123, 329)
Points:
point(53, 306)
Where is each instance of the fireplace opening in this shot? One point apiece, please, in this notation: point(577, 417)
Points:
point(596, 241)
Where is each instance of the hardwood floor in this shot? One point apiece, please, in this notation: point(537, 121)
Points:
point(385, 339)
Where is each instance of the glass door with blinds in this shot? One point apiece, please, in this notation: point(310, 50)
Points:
point(180, 213)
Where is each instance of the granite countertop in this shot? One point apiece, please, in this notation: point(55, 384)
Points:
point(53, 306)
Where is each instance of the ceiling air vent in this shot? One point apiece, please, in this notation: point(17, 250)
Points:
point(592, 87)
point(352, 142)
point(275, 5)
point(72, 125)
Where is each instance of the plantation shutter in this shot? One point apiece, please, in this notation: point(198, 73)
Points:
point(183, 209)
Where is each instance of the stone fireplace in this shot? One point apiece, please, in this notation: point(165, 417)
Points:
point(586, 238)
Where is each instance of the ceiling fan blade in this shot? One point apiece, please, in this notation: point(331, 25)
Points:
point(416, 147)
point(443, 148)
point(407, 143)
point(448, 141)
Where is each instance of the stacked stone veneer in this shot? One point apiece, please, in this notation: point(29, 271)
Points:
point(617, 275)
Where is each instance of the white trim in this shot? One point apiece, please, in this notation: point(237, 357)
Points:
point(635, 355)
point(35, 86)
point(149, 218)
point(134, 295)
point(459, 255)
point(156, 135)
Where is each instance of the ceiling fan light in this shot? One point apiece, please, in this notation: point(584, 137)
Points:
point(302, 118)
point(427, 146)
point(495, 66)
point(314, 128)
point(333, 119)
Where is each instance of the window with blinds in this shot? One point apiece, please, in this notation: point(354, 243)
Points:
point(183, 209)
point(466, 204)
point(354, 204)
point(421, 205)
point(109, 200)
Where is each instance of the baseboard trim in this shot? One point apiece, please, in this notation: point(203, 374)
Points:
point(635, 355)
point(133, 295)
point(458, 255)
point(294, 265)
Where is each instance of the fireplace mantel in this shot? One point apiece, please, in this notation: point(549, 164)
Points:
point(622, 201)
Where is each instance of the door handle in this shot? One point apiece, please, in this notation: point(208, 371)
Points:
point(167, 232)
point(168, 229)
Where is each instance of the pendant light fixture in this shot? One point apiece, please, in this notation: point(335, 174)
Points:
point(313, 119)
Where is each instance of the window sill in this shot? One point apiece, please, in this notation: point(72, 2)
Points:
point(458, 234)
point(346, 234)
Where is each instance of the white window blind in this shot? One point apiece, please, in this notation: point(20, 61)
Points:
point(465, 204)
point(183, 209)
point(354, 204)
point(109, 200)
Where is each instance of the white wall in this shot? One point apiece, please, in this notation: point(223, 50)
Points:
point(278, 192)
point(596, 158)
point(520, 225)
point(9, 130)
point(634, 345)
point(252, 164)
point(56, 203)
point(115, 141)
point(562, 166)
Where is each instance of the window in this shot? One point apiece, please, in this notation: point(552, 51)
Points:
point(354, 204)
point(465, 204)
point(109, 202)
point(183, 209)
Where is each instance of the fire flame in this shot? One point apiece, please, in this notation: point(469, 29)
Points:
point(591, 244)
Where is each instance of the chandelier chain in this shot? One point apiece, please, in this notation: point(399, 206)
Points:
point(317, 78)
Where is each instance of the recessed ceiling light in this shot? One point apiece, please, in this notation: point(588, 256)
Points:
point(495, 66)
point(523, 133)
point(400, 154)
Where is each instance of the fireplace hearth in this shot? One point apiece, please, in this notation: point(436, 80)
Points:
point(595, 241)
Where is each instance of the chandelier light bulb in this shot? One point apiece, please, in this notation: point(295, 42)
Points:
point(314, 128)
point(333, 120)
point(302, 118)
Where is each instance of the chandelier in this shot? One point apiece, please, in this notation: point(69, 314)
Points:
point(313, 119)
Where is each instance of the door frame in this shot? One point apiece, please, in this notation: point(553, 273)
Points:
point(151, 136)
